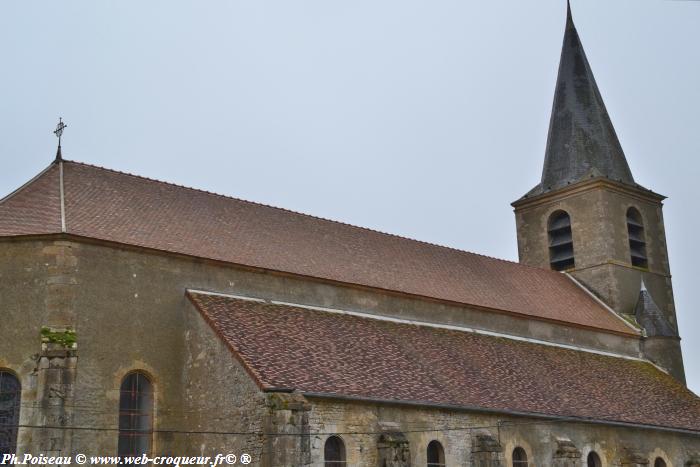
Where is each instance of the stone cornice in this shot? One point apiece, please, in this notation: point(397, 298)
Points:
point(585, 186)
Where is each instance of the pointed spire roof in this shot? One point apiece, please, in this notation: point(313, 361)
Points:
point(650, 317)
point(582, 140)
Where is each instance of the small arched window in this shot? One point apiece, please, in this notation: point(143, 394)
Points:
point(519, 457)
point(135, 415)
point(659, 462)
point(594, 460)
point(334, 452)
point(638, 244)
point(436, 454)
point(561, 242)
point(10, 394)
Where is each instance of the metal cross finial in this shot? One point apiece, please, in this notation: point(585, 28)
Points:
point(59, 132)
point(59, 129)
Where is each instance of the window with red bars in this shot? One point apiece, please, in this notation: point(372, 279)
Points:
point(334, 452)
point(135, 415)
point(519, 457)
point(436, 454)
point(10, 395)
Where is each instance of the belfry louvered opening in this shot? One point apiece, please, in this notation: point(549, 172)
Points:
point(561, 242)
point(638, 245)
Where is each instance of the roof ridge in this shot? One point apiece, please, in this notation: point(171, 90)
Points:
point(199, 190)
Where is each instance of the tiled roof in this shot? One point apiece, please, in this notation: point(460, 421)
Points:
point(118, 207)
point(323, 352)
point(33, 209)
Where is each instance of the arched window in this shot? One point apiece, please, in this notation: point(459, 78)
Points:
point(659, 462)
point(594, 460)
point(519, 457)
point(334, 452)
point(561, 242)
point(638, 244)
point(135, 415)
point(436, 454)
point(10, 393)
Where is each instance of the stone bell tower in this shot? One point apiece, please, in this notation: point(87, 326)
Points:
point(588, 218)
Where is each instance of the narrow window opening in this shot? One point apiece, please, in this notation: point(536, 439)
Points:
point(519, 458)
point(135, 415)
point(637, 239)
point(561, 242)
point(436, 454)
point(659, 462)
point(334, 452)
point(10, 393)
point(594, 460)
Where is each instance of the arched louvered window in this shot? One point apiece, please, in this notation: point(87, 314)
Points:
point(638, 244)
point(659, 462)
point(561, 242)
point(135, 415)
point(10, 394)
point(436, 454)
point(334, 452)
point(519, 458)
point(594, 460)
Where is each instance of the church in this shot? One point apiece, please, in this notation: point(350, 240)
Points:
point(146, 318)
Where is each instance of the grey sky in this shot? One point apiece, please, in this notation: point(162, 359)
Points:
point(421, 118)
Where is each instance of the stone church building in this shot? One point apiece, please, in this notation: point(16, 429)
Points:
point(144, 317)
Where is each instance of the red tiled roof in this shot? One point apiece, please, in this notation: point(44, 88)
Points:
point(33, 209)
point(316, 351)
point(127, 209)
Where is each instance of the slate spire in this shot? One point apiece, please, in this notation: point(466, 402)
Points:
point(650, 317)
point(581, 141)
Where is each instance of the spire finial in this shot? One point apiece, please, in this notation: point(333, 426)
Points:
point(59, 132)
point(569, 16)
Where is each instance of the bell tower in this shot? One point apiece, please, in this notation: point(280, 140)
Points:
point(588, 217)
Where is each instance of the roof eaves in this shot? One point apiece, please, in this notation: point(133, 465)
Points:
point(537, 194)
point(104, 241)
point(486, 410)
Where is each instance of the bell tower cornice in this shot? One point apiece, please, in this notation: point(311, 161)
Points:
point(638, 192)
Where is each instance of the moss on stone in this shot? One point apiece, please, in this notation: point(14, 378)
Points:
point(66, 337)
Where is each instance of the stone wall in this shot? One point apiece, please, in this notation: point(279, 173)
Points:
point(471, 439)
point(220, 398)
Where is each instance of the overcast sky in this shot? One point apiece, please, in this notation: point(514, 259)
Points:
point(421, 118)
